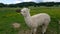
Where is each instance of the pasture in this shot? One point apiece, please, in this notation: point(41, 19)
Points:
point(9, 16)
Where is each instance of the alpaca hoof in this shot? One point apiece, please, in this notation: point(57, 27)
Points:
point(42, 33)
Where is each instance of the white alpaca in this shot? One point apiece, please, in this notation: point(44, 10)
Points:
point(33, 22)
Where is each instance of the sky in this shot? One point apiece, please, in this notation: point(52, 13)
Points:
point(19, 1)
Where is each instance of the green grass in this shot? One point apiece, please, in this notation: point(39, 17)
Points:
point(9, 16)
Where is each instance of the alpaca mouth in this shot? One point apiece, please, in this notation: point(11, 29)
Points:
point(18, 10)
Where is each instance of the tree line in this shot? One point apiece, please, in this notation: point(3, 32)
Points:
point(27, 4)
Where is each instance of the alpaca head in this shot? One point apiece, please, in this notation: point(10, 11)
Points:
point(25, 11)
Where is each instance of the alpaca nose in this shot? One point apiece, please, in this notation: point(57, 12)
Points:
point(18, 10)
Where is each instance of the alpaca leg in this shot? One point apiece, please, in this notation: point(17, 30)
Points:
point(33, 31)
point(44, 27)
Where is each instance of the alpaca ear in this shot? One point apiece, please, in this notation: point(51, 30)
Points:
point(18, 10)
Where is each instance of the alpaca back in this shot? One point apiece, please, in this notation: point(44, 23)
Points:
point(40, 19)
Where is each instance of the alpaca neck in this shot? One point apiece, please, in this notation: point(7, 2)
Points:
point(28, 19)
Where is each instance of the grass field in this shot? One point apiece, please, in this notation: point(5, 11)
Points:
point(9, 16)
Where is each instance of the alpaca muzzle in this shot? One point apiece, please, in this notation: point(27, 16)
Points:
point(18, 10)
